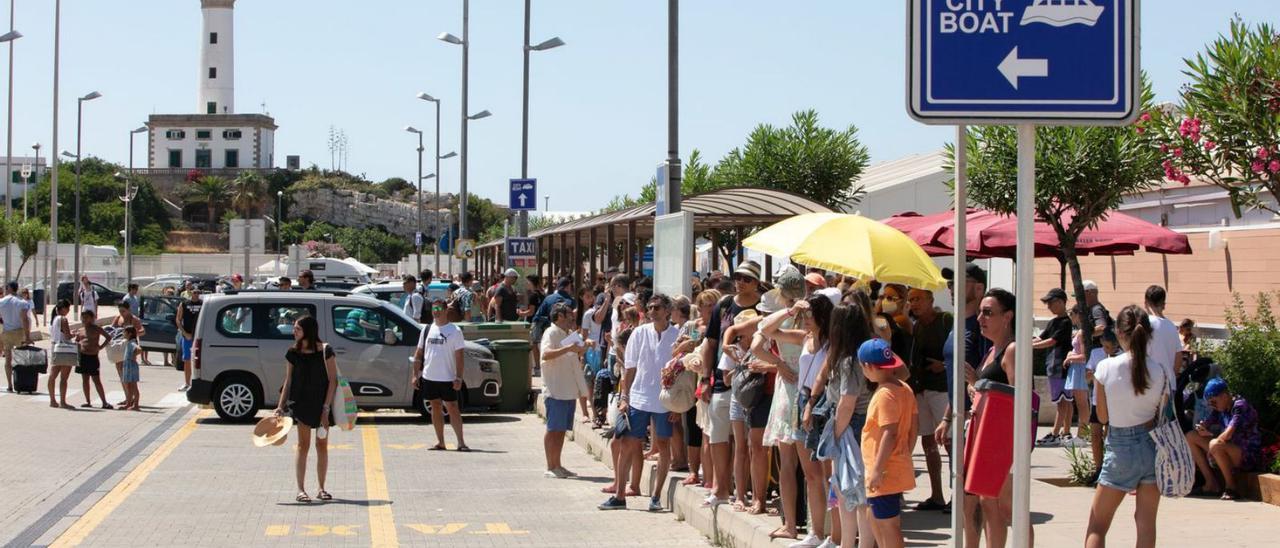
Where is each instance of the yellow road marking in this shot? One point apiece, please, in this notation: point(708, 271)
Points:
point(322, 530)
point(81, 529)
point(382, 525)
point(407, 446)
point(277, 530)
point(446, 529)
point(498, 529)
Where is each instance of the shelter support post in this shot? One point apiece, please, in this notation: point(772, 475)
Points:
point(958, 340)
point(610, 256)
point(1023, 332)
point(592, 256)
point(576, 259)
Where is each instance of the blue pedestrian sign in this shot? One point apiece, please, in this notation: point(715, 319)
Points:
point(524, 195)
point(1050, 62)
point(521, 247)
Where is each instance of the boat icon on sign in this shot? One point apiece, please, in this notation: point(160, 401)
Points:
point(1062, 13)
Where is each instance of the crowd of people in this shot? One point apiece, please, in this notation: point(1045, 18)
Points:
point(837, 379)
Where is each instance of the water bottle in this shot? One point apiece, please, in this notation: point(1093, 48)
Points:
point(322, 433)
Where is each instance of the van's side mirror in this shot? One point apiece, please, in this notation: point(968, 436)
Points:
point(389, 337)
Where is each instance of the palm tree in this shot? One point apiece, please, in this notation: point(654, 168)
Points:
point(247, 192)
point(210, 190)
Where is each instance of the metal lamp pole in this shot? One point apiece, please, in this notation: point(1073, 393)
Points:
point(554, 42)
point(417, 243)
point(35, 172)
point(128, 211)
point(8, 159)
point(279, 219)
point(79, 134)
point(51, 251)
point(435, 230)
point(462, 185)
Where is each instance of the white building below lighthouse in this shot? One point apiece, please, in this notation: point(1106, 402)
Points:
point(214, 137)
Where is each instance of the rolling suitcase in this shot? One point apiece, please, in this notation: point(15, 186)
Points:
point(28, 363)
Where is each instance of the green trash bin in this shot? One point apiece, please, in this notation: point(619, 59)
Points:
point(494, 331)
point(513, 359)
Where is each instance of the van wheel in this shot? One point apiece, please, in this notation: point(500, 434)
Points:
point(236, 399)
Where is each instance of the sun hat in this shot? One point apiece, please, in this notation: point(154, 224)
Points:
point(790, 283)
point(511, 273)
point(831, 293)
point(272, 431)
point(745, 316)
point(749, 269)
point(771, 301)
point(1214, 387)
point(876, 353)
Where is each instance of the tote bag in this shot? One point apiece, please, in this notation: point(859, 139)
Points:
point(344, 407)
point(1175, 471)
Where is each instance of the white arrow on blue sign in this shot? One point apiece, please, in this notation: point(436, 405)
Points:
point(1048, 62)
point(524, 195)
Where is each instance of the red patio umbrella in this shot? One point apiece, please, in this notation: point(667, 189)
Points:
point(993, 235)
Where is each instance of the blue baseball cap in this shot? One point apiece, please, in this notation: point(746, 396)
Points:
point(876, 353)
point(1214, 387)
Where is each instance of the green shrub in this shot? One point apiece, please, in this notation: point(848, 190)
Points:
point(1250, 357)
point(1079, 465)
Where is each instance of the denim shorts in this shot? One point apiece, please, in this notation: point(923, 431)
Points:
point(1076, 379)
point(640, 421)
point(559, 415)
point(736, 412)
point(1129, 458)
point(802, 399)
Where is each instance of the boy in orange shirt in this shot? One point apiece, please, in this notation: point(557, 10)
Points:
point(887, 441)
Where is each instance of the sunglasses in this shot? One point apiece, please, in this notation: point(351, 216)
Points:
point(987, 312)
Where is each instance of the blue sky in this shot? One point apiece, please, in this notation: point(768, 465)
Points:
point(598, 105)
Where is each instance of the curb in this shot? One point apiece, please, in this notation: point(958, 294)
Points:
point(720, 524)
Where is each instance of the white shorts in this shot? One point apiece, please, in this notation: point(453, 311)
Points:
point(719, 428)
point(932, 406)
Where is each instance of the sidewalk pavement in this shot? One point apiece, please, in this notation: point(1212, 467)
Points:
point(1059, 514)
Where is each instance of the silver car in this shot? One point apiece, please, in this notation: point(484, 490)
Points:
point(242, 337)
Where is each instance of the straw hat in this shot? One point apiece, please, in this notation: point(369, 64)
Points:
point(272, 431)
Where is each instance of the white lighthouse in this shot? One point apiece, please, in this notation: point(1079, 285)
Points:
point(217, 58)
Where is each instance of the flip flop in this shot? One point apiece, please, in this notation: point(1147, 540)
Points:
point(464, 449)
point(438, 447)
point(324, 495)
point(303, 498)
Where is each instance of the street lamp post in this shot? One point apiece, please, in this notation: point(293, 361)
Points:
point(435, 218)
point(130, 192)
point(465, 42)
point(79, 134)
point(279, 219)
point(35, 173)
point(417, 241)
point(8, 159)
point(51, 251)
point(128, 210)
point(524, 126)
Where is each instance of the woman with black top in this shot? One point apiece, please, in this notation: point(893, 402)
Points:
point(310, 379)
point(995, 317)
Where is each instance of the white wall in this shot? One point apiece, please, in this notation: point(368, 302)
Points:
point(216, 145)
point(221, 55)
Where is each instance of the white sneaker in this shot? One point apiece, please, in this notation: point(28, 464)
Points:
point(810, 541)
point(183, 388)
point(828, 544)
point(558, 473)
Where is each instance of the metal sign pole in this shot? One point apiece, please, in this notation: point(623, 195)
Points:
point(958, 298)
point(1022, 433)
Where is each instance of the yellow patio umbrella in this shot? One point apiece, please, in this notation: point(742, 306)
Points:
point(852, 245)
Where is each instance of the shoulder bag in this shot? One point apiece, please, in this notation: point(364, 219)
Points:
point(1175, 470)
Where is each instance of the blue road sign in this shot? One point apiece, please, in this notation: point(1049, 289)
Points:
point(445, 241)
point(521, 247)
point(524, 195)
point(1048, 62)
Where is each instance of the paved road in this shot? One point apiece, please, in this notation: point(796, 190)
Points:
point(177, 476)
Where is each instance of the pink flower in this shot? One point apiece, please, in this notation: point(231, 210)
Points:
point(1177, 152)
point(1141, 129)
point(1274, 166)
point(1210, 145)
point(1164, 149)
point(1146, 117)
point(1263, 153)
point(1184, 179)
point(1257, 166)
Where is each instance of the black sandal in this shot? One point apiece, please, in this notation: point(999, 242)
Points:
point(437, 447)
point(464, 449)
point(324, 495)
point(303, 497)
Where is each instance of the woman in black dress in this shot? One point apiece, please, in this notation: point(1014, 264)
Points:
point(310, 379)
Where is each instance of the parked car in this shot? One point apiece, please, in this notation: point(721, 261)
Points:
point(242, 337)
point(158, 318)
point(393, 291)
point(106, 297)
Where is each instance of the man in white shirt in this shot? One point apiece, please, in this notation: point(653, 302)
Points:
point(88, 297)
point(648, 350)
point(1166, 345)
point(561, 363)
point(413, 300)
point(16, 329)
point(437, 372)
